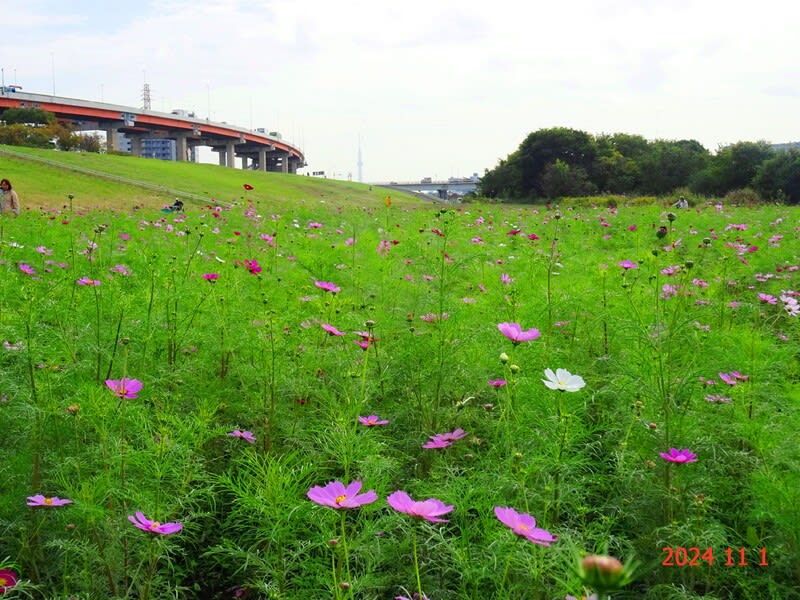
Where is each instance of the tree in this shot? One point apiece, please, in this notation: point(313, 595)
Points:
point(779, 177)
point(671, 164)
point(28, 116)
point(731, 168)
point(559, 179)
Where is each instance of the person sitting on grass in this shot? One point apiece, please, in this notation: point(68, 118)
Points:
point(10, 198)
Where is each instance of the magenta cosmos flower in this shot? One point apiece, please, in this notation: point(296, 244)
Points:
point(679, 456)
point(328, 286)
point(8, 579)
point(211, 276)
point(125, 388)
point(627, 264)
point(524, 525)
point(145, 524)
point(336, 495)
point(515, 333)
point(331, 329)
point(372, 421)
point(88, 281)
point(430, 509)
point(27, 269)
point(443, 440)
point(39, 500)
point(245, 435)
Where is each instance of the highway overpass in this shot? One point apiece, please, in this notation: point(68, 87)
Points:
point(255, 149)
point(442, 189)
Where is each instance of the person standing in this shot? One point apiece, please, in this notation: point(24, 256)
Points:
point(10, 199)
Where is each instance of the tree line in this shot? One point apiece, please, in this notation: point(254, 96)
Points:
point(40, 129)
point(562, 162)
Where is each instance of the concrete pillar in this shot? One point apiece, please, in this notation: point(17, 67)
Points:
point(244, 163)
point(262, 159)
point(136, 144)
point(292, 165)
point(112, 139)
point(223, 160)
point(230, 153)
point(180, 147)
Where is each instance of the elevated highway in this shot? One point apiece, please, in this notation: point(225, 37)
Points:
point(256, 150)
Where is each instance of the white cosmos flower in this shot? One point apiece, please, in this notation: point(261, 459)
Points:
point(563, 380)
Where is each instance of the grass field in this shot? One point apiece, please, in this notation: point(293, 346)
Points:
point(209, 388)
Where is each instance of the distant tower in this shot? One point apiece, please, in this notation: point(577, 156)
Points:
point(360, 163)
point(146, 96)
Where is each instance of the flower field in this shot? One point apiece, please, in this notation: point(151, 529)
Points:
point(326, 400)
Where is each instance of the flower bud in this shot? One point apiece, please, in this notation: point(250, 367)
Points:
point(603, 573)
point(514, 368)
point(504, 358)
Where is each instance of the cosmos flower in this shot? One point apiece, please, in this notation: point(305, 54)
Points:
point(328, 286)
point(678, 456)
point(252, 266)
point(443, 440)
point(212, 277)
point(248, 187)
point(627, 264)
point(125, 388)
point(430, 509)
point(524, 525)
point(331, 329)
point(245, 435)
point(372, 421)
point(145, 524)
point(336, 495)
point(8, 579)
point(88, 281)
point(497, 383)
point(27, 269)
point(563, 380)
point(514, 332)
point(39, 500)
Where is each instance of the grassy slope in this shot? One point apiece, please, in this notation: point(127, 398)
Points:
point(40, 185)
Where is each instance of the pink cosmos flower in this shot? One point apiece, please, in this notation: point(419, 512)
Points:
point(514, 332)
point(632, 227)
point(679, 456)
point(524, 525)
point(252, 266)
point(8, 579)
point(125, 388)
point(430, 509)
point(27, 269)
point(331, 329)
point(443, 440)
point(212, 277)
point(328, 286)
point(372, 421)
point(627, 264)
point(718, 399)
point(497, 383)
point(767, 298)
point(247, 436)
point(145, 524)
point(121, 269)
point(88, 281)
point(39, 500)
point(506, 279)
point(336, 495)
point(44, 250)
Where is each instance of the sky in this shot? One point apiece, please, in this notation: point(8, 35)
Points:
point(424, 88)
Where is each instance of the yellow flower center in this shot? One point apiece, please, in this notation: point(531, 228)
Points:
point(155, 525)
point(3, 582)
point(340, 499)
point(522, 527)
point(48, 501)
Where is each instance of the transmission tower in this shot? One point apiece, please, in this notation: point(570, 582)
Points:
point(146, 96)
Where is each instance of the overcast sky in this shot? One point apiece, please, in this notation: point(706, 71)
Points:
point(431, 88)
